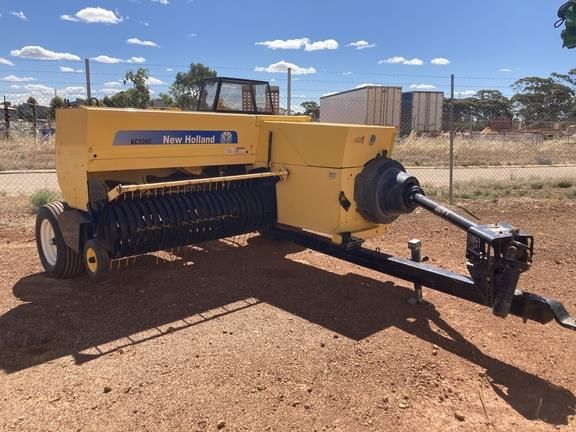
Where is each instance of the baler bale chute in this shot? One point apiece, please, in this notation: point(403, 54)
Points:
point(139, 181)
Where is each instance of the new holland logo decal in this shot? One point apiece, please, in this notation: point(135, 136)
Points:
point(137, 137)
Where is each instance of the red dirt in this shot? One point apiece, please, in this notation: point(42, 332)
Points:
point(267, 336)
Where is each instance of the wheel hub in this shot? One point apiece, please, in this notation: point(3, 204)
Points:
point(48, 242)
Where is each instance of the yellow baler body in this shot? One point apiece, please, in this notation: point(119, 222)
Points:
point(322, 160)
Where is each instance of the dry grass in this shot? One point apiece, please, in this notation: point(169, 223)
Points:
point(21, 152)
point(484, 151)
point(555, 189)
point(16, 216)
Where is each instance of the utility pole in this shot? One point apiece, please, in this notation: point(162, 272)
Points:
point(289, 92)
point(88, 88)
point(451, 189)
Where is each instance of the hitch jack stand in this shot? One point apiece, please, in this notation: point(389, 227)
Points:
point(415, 247)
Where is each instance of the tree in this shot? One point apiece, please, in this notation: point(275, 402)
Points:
point(136, 97)
point(491, 104)
point(186, 86)
point(167, 100)
point(462, 111)
point(28, 110)
point(543, 99)
point(55, 103)
point(568, 79)
point(311, 109)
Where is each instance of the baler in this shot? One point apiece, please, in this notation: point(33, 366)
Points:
point(137, 181)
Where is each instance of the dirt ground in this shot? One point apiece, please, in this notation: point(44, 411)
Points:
point(266, 336)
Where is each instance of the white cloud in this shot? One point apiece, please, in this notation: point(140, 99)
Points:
point(465, 93)
point(108, 91)
point(6, 62)
point(115, 60)
point(162, 2)
point(136, 41)
point(69, 69)
point(361, 44)
point(43, 94)
point(113, 84)
point(440, 61)
point(75, 90)
point(285, 44)
point(328, 44)
point(402, 60)
point(137, 60)
point(145, 23)
point(422, 86)
point(155, 81)
point(107, 59)
point(505, 70)
point(19, 15)
point(14, 78)
point(169, 70)
point(393, 60)
point(346, 73)
point(282, 66)
point(192, 35)
point(414, 62)
point(94, 15)
point(39, 53)
point(38, 88)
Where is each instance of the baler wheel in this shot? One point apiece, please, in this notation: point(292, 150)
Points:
point(58, 260)
point(96, 260)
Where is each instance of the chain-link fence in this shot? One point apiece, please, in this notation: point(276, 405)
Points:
point(468, 137)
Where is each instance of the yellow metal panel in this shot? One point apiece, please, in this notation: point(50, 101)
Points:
point(308, 199)
point(71, 166)
point(104, 123)
point(323, 144)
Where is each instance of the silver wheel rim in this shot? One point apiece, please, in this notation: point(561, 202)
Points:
point(48, 242)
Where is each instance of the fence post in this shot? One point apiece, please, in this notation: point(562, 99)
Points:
point(289, 92)
point(88, 87)
point(6, 117)
point(34, 120)
point(451, 186)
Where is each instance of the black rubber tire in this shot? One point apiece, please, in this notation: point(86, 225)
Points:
point(68, 263)
point(96, 260)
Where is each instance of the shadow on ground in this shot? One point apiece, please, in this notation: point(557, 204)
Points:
point(62, 318)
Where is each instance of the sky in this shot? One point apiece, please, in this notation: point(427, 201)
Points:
point(330, 45)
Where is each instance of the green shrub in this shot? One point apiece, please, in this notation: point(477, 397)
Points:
point(564, 184)
point(41, 197)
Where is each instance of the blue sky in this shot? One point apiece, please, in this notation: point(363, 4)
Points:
point(485, 44)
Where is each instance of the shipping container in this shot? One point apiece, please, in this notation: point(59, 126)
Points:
point(369, 105)
point(422, 112)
